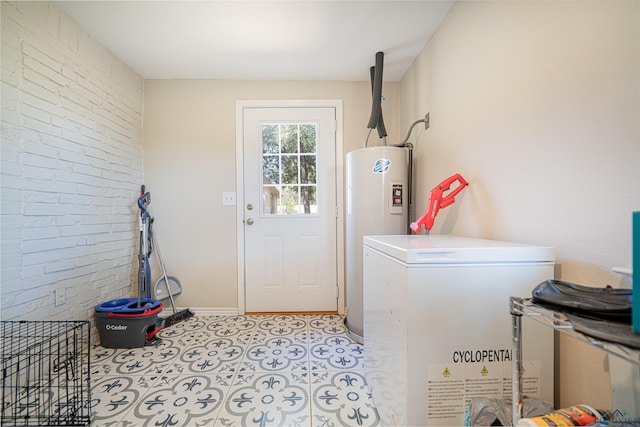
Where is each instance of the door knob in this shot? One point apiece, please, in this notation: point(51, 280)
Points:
point(250, 206)
point(249, 221)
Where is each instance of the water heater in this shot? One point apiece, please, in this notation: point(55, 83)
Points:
point(376, 203)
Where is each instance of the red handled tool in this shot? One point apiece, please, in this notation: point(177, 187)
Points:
point(438, 201)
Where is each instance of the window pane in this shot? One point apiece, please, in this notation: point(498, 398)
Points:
point(289, 165)
point(289, 169)
point(307, 169)
point(308, 138)
point(308, 199)
point(271, 169)
point(271, 199)
point(270, 139)
point(289, 200)
point(289, 138)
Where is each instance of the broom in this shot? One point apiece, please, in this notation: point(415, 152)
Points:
point(177, 316)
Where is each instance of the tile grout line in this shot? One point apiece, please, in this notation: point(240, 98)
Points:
point(226, 397)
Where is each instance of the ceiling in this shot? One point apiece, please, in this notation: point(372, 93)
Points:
point(261, 40)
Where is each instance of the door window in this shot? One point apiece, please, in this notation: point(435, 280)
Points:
point(289, 164)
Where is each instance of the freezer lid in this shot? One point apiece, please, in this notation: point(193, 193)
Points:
point(441, 249)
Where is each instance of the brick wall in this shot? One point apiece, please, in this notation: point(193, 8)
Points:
point(71, 167)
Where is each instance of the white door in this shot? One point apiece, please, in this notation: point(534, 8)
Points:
point(290, 209)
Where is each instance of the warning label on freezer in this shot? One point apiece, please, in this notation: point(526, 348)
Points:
point(445, 393)
point(451, 386)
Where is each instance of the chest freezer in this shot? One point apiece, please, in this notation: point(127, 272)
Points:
point(438, 325)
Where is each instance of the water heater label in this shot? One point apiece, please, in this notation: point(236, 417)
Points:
point(381, 166)
point(396, 195)
point(394, 198)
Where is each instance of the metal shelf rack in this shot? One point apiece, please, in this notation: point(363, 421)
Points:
point(520, 307)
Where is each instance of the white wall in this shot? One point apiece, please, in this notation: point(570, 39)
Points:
point(190, 161)
point(537, 105)
point(71, 167)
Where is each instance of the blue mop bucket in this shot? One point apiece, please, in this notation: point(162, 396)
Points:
point(128, 305)
point(123, 324)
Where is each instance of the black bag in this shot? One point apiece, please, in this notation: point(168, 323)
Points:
point(605, 303)
point(606, 330)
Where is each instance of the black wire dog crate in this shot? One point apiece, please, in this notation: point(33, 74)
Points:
point(45, 373)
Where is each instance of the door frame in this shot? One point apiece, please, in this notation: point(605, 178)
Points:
point(241, 105)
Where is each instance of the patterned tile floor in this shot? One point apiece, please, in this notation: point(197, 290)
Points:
point(285, 370)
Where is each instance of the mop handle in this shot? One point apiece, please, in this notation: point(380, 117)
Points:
point(143, 201)
point(164, 270)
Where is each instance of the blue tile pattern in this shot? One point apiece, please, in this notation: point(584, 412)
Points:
point(344, 400)
point(284, 370)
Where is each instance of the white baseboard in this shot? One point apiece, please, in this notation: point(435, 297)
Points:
point(202, 311)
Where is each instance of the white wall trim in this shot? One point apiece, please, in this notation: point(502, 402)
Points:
point(297, 103)
point(202, 311)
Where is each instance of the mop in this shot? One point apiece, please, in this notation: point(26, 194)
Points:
point(147, 241)
point(144, 250)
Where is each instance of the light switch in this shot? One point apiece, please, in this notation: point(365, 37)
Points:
point(229, 198)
